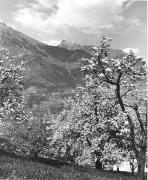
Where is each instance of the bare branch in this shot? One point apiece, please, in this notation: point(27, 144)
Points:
point(126, 92)
point(130, 106)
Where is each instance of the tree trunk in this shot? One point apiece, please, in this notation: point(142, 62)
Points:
point(132, 168)
point(141, 160)
point(117, 168)
point(35, 155)
point(98, 164)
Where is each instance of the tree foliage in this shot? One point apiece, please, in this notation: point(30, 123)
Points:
point(24, 131)
point(109, 113)
point(33, 135)
point(11, 87)
point(127, 76)
point(11, 96)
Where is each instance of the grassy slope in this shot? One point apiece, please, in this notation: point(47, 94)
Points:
point(19, 169)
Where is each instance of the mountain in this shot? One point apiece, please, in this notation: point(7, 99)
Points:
point(50, 67)
point(53, 68)
point(116, 53)
point(74, 46)
point(69, 45)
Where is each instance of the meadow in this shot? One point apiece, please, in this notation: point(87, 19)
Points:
point(18, 168)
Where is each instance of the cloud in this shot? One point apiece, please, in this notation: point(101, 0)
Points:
point(91, 15)
point(29, 17)
point(46, 3)
point(136, 51)
point(134, 22)
point(106, 26)
point(52, 42)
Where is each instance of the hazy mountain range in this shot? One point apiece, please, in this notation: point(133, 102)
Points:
point(50, 67)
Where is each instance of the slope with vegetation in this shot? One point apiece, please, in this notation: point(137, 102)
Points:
point(13, 167)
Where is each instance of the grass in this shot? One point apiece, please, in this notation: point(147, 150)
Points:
point(17, 168)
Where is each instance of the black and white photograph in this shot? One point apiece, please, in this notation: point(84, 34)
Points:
point(73, 90)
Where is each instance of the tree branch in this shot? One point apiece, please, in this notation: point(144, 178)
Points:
point(139, 119)
point(135, 108)
point(122, 105)
point(126, 92)
point(89, 142)
point(118, 93)
point(107, 79)
point(103, 70)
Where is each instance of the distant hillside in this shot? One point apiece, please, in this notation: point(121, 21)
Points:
point(116, 53)
point(52, 67)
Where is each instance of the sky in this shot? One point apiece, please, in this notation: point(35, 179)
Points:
point(81, 21)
